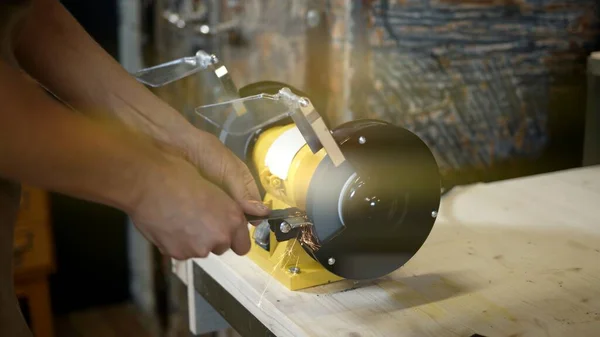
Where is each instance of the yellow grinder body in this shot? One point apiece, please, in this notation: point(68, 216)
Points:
point(285, 164)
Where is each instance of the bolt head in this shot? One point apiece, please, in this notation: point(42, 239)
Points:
point(294, 270)
point(275, 182)
point(303, 102)
point(204, 29)
point(313, 18)
point(434, 214)
point(285, 227)
point(331, 261)
point(214, 59)
point(362, 140)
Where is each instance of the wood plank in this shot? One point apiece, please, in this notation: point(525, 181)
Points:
point(33, 250)
point(34, 207)
point(125, 320)
point(91, 323)
point(38, 294)
point(512, 258)
point(33, 242)
point(117, 320)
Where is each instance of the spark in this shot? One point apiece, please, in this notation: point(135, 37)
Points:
point(309, 239)
point(288, 253)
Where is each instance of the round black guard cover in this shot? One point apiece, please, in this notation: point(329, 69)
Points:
point(387, 209)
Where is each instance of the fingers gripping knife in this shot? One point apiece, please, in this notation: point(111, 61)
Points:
point(355, 202)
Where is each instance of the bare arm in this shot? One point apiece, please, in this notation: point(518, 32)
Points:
point(56, 50)
point(45, 144)
point(184, 214)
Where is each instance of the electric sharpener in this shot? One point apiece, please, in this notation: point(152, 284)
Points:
point(354, 202)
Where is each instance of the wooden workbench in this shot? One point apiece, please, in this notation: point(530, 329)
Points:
point(33, 259)
point(512, 258)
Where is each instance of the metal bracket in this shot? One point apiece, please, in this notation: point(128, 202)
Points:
point(285, 223)
point(219, 69)
point(287, 229)
point(168, 72)
point(312, 126)
point(308, 121)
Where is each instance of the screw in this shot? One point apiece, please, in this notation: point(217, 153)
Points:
point(285, 227)
point(275, 182)
point(362, 140)
point(214, 59)
point(204, 29)
point(434, 214)
point(303, 102)
point(331, 261)
point(294, 270)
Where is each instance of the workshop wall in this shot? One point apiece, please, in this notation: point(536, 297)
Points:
point(273, 43)
point(483, 83)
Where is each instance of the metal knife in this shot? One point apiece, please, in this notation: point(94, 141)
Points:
point(278, 214)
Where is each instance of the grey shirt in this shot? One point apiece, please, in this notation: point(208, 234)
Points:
point(12, 323)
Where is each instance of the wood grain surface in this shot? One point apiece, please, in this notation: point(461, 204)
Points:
point(33, 242)
point(512, 258)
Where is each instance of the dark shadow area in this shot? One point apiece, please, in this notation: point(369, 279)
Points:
point(100, 19)
point(406, 291)
point(90, 239)
point(91, 255)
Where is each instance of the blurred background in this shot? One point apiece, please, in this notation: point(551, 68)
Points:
point(497, 89)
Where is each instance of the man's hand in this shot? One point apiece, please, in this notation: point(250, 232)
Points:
point(45, 144)
point(218, 189)
point(211, 190)
point(187, 216)
point(219, 165)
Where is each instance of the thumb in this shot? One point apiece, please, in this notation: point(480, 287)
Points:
point(242, 187)
point(223, 168)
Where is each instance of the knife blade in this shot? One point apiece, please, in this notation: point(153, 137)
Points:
point(278, 214)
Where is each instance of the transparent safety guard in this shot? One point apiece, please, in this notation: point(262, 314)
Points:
point(245, 115)
point(175, 70)
point(240, 116)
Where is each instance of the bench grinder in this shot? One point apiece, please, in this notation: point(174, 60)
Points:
point(354, 202)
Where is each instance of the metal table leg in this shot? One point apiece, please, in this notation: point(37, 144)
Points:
point(591, 150)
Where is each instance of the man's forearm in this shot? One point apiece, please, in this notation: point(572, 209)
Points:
point(56, 50)
point(43, 143)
